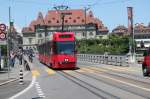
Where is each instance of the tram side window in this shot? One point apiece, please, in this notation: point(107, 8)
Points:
point(54, 48)
point(147, 53)
point(49, 48)
point(39, 48)
point(42, 49)
point(45, 48)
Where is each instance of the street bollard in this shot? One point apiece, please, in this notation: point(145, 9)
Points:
point(21, 77)
point(127, 61)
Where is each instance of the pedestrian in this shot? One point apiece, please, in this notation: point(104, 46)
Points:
point(20, 56)
point(12, 59)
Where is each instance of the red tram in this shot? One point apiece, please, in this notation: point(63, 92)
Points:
point(59, 52)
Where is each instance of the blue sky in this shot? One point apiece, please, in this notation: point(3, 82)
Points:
point(111, 12)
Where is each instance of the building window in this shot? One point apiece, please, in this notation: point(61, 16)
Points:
point(38, 41)
point(74, 21)
point(39, 35)
point(49, 21)
point(69, 17)
point(82, 20)
point(78, 17)
point(91, 34)
point(53, 18)
point(57, 21)
point(83, 34)
point(30, 40)
point(66, 21)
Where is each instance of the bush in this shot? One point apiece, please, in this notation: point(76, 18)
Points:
point(113, 45)
point(3, 50)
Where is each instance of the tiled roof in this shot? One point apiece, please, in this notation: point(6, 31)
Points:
point(77, 17)
point(140, 27)
point(27, 30)
point(120, 30)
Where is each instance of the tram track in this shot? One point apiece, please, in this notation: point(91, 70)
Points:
point(123, 74)
point(109, 83)
point(116, 75)
point(133, 75)
point(91, 88)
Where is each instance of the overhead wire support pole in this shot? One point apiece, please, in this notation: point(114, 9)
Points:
point(131, 31)
point(62, 15)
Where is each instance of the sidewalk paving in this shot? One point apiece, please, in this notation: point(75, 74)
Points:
point(12, 75)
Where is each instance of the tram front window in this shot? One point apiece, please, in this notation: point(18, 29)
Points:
point(67, 47)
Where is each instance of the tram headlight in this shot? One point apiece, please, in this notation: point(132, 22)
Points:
point(66, 60)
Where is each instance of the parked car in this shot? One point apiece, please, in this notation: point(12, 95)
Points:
point(146, 63)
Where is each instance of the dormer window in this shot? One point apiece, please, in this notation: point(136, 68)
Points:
point(78, 17)
point(49, 21)
point(82, 20)
point(69, 17)
point(74, 21)
point(91, 16)
point(66, 21)
point(57, 21)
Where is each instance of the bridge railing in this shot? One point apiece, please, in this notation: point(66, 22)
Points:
point(105, 59)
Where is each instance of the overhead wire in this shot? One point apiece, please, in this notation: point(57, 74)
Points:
point(28, 2)
point(98, 2)
point(91, 5)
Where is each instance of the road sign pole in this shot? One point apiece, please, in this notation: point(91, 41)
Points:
point(9, 31)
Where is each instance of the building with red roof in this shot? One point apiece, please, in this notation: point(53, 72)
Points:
point(141, 34)
point(84, 27)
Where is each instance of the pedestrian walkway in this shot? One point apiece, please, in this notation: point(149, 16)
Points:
point(12, 75)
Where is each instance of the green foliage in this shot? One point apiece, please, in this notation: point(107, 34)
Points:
point(113, 45)
point(3, 50)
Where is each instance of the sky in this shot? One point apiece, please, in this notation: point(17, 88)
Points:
point(111, 12)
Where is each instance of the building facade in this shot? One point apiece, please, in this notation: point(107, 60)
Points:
point(120, 30)
point(84, 27)
point(15, 38)
point(141, 35)
point(29, 39)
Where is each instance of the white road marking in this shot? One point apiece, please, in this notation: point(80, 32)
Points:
point(12, 80)
point(25, 90)
point(39, 90)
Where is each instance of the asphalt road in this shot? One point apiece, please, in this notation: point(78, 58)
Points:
point(89, 81)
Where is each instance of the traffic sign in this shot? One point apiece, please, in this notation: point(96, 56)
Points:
point(2, 36)
point(2, 27)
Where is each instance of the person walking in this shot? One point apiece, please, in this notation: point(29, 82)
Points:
point(20, 56)
point(12, 59)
